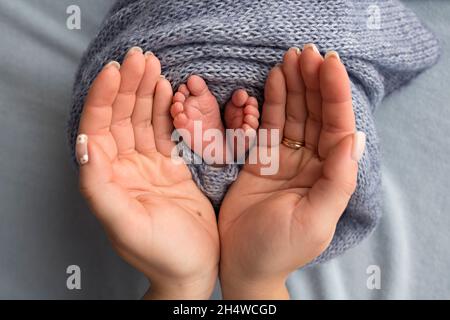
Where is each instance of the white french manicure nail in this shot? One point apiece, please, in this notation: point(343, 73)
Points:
point(114, 64)
point(297, 50)
point(332, 54)
point(134, 49)
point(359, 145)
point(84, 159)
point(82, 149)
point(312, 46)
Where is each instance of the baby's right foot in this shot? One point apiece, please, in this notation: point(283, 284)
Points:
point(195, 105)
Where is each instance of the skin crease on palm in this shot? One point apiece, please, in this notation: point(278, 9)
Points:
point(159, 221)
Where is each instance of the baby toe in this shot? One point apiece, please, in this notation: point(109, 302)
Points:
point(184, 90)
point(180, 121)
point(197, 86)
point(252, 101)
point(176, 108)
point(252, 121)
point(239, 97)
point(252, 110)
point(179, 97)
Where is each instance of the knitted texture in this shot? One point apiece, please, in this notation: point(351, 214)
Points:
point(233, 44)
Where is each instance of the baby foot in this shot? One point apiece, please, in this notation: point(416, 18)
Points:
point(241, 112)
point(195, 105)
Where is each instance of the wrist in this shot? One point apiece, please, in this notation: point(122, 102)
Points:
point(238, 288)
point(167, 289)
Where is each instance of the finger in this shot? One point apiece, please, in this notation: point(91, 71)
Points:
point(310, 62)
point(338, 118)
point(95, 165)
point(108, 201)
point(329, 196)
point(97, 111)
point(294, 128)
point(142, 114)
point(162, 121)
point(273, 111)
point(131, 73)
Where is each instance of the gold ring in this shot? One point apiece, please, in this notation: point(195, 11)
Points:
point(292, 143)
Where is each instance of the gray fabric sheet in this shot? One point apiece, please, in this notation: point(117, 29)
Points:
point(45, 225)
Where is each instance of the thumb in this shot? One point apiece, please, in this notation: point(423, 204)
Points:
point(106, 199)
point(330, 195)
point(95, 166)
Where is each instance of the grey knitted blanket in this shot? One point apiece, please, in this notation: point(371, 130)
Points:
point(233, 44)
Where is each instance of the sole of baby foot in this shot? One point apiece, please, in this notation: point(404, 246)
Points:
point(195, 111)
point(241, 112)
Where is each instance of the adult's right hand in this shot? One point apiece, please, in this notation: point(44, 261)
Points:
point(156, 217)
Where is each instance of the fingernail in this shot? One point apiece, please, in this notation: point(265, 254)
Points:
point(148, 54)
point(162, 77)
point(297, 50)
point(332, 54)
point(134, 50)
point(359, 145)
point(312, 46)
point(81, 149)
point(114, 64)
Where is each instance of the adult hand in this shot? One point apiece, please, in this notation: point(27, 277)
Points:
point(270, 225)
point(154, 214)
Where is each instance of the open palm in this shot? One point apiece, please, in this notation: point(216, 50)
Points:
point(156, 217)
point(274, 224)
